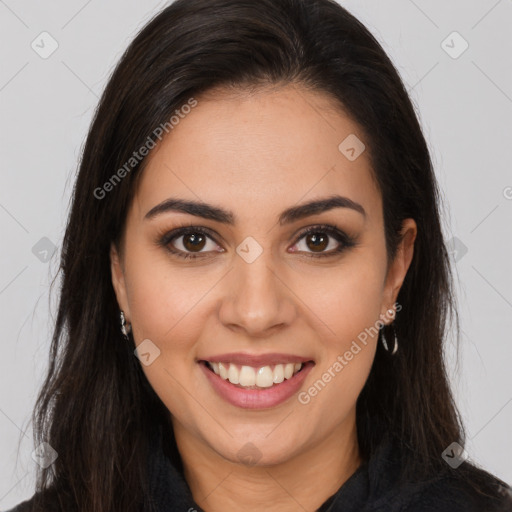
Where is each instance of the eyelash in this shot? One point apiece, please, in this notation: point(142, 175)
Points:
point(346, 241)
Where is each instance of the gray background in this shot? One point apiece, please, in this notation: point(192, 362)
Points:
point(465, 106)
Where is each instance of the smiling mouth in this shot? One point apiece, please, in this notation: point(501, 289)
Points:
point(248, 377)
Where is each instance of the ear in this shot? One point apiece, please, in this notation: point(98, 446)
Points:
point(118, 280)
point(399, 266)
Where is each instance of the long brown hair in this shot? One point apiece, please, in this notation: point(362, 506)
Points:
point(96, 407)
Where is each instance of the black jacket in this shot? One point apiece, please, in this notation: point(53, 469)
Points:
point(372, 488)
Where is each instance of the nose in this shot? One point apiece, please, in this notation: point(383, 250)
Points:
point(256, 298)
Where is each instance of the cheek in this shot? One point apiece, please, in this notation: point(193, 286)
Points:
point(168, 309)
point(347, 299)
point(331, 396)
point(350, 310)
point(165, 303)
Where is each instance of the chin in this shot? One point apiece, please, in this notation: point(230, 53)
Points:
point(255, 451)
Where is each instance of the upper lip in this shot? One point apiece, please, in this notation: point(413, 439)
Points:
point(256, 360)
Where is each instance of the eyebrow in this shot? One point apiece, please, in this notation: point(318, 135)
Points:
point(293, 214)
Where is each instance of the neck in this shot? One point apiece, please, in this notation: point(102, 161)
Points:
point(303, 481)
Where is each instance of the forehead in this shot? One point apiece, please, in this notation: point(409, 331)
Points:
point(260, 153)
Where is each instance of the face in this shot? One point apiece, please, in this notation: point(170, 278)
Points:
point(244, 285)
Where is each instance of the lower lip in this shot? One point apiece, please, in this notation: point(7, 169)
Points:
point(257, 398)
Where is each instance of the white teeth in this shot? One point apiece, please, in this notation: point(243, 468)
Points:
point(223, 371)
point(263, 377)
point(247, 376)
point(233, 374)
point(278, 374)
point(288, 370)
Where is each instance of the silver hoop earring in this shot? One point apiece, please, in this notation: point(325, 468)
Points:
point(385, 343)
point(125, 328)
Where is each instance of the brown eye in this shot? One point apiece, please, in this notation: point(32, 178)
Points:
point(189, 242)
point(317, 242)
point(194, 241)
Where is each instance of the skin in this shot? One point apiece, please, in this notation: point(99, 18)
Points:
point(256, 154)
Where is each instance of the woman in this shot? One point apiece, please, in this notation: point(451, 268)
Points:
point(255, 286)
